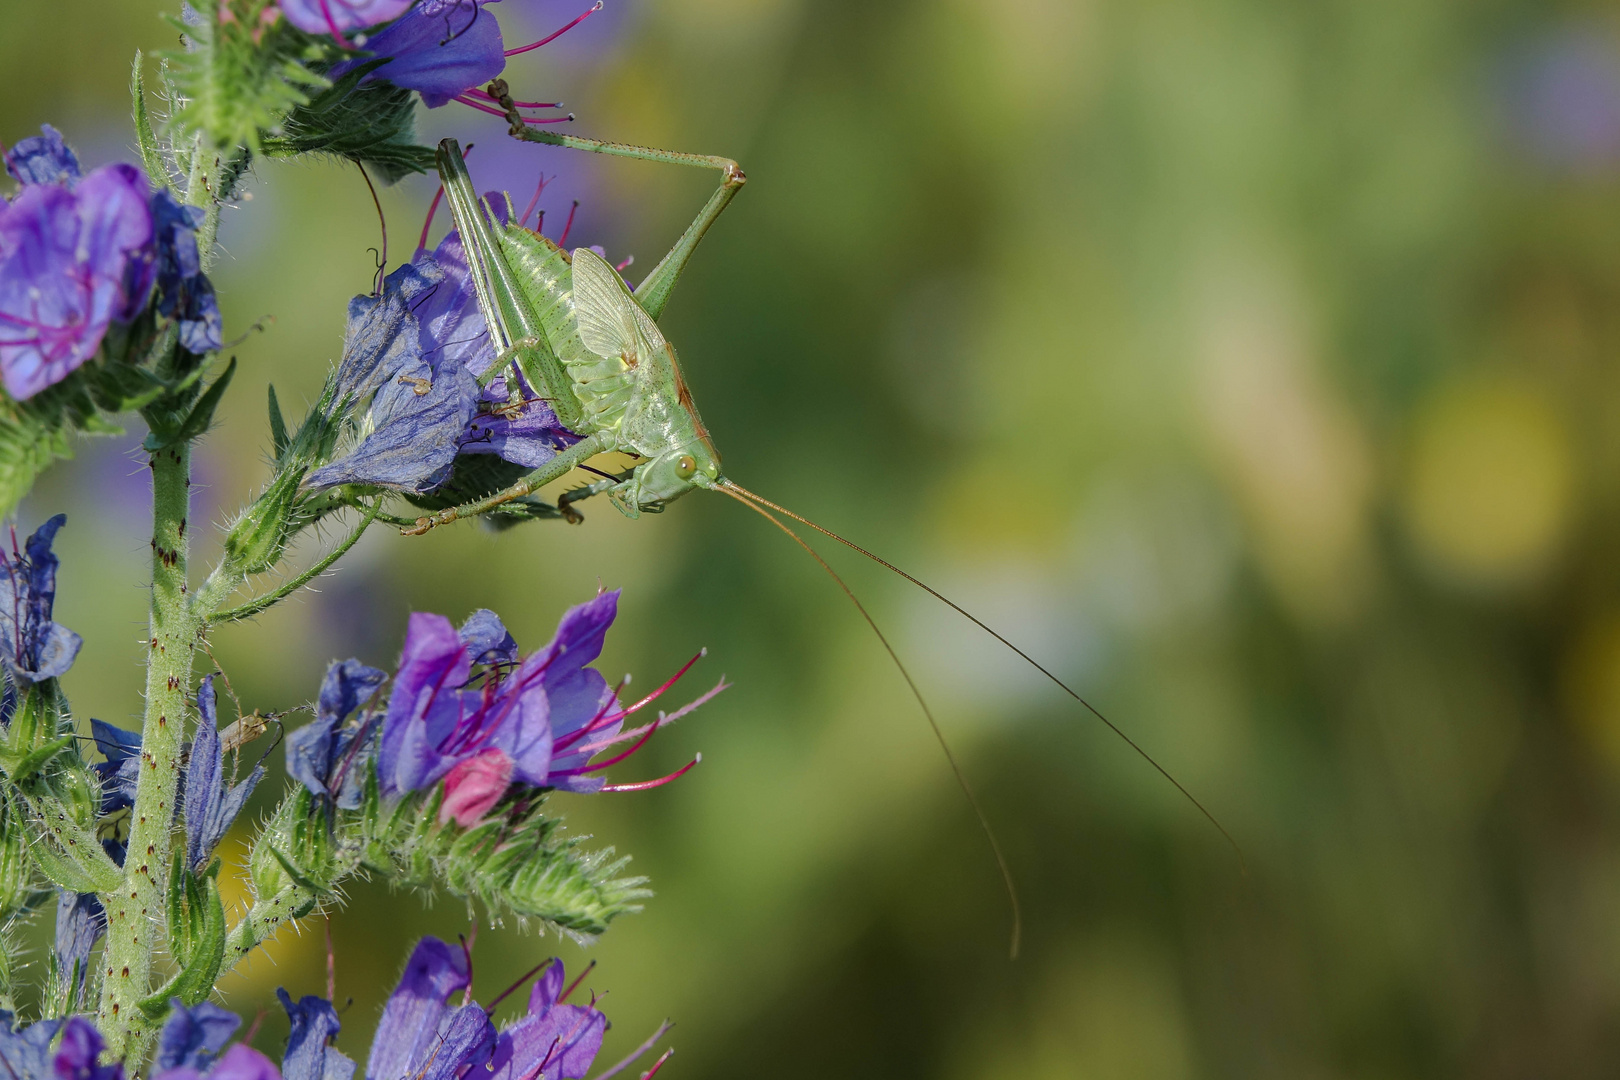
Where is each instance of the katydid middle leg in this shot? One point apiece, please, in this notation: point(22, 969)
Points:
point(653, 292)
point(558, 466)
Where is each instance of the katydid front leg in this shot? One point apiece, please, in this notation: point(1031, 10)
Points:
point(653, 292)
point(580, 452)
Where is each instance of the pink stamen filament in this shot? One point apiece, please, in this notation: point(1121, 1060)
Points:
point(612, 761)
point(602, 720)
point(590, 967)
point(628, 259)
point(331, 23)
point(489, 1010)
point(615, 1070)
point(548, 39)
point(568, 225)
point(538, 188)
point(648, 785)
point(591, 749)
point(485, 95)
point(659, 1064)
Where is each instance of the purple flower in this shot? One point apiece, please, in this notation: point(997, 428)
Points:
point(554, 1040)
point(338, 17)
point(324, 755)
point(193, 1037)
point(439, 49)
point(410, 411)
point(420, 1035)
point(313, 1023)
point(27, 1052)
point(43, 159)
point(77, 1055)
point(72, 260)
point(184, 291)
point(77, 255)
point(240, 1062)
point(80, 922)
point(210, 806)
point(538, 723)
point(34, 647)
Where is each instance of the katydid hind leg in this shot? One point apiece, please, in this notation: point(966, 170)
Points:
point(654, 291)
point(513, 325)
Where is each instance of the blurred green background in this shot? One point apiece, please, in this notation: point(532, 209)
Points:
point(1250, 363)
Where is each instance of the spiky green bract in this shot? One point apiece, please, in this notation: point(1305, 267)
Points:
point(374, 124)
point(196, 919)
point(517, 862)
point(243, 70)
point(21, 891)
point(51, 790)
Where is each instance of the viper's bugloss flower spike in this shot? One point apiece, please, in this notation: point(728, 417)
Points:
point(313, 1024)
point(339, 17)
point(210, 806)
point(34, 647)
point(193, 1037)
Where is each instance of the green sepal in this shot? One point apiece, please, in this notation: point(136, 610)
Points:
point(197, 420)
point(278, 425)
point(92, 872)
point(22, 768)
point(196, 918)
point(374, 124)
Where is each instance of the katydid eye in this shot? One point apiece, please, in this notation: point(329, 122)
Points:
point(686, 467)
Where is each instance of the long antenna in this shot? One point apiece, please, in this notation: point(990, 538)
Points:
point(961, 777)
point(736, 489)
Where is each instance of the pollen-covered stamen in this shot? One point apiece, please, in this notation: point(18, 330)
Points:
point(628, 260)
point(648, 785)
point(549, 38)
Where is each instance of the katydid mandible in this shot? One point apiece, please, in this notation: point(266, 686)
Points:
point(592, 347)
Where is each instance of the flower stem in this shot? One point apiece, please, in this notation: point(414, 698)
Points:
point(136, 913)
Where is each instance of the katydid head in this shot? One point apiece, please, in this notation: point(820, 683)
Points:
point(668, 477)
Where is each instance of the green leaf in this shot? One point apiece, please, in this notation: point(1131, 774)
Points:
point(196, 937)
point(151, 157)
point(198, 419)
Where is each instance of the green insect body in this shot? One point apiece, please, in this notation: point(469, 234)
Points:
point(589, 346)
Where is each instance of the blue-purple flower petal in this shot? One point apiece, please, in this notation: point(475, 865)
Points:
point(43, 159)
point(341, 16)
point(184, 291)
point(313, 1023)
point(78, 1054)
point(487, 639)
point(439, 51)
point(192, 1037)
point(34, 647)
point(210, 805)
point(411, 1022)
point(80, 922)
point(27, 1052)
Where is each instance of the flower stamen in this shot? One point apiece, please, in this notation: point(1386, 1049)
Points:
point(549, 38)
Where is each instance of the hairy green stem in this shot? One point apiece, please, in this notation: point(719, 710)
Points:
point(135, 914)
